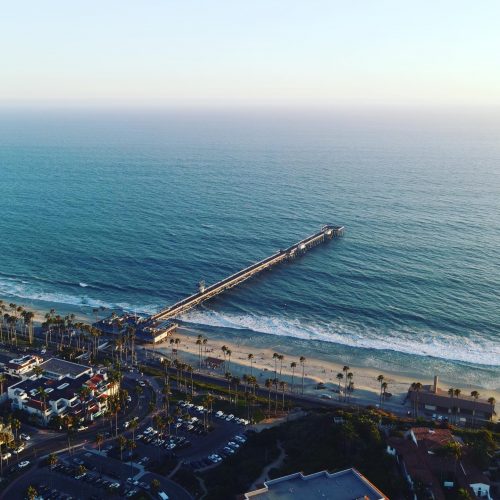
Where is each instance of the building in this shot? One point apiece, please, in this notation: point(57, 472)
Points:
point(58, 392)
point(145, 329)
point(427, 469)
point(345, 485)
point(463, 409)
point(22, 366)
point(57, 369)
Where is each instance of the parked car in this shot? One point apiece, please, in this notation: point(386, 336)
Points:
point(23, 464)
point(24, 436)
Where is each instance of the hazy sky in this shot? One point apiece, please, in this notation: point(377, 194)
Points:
point(255, 52)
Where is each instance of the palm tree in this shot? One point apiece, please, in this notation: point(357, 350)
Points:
point(380, 380)
point(345, 369)
point(302, 361)
point(15, 425)
point(122, 441)
point(235, 381)
point(350, 384)
point(250, 358)
point(276, 357)
point(155, 485)
point(384, 390)
point(31, 493)
point(99, 439)
point(227, 375)
point(2, 380)
point(416, 386)
point(199, 341)
point(269, 385)
point(43, 396)
point(281, 358)
point(283, 387)
point(133, 426)
point(293, 365)
point(457, 409)
point(52, 460)
point(228, 353)
point(492, 402)
point(131, 446)
point(68, 422)
point(340, 377)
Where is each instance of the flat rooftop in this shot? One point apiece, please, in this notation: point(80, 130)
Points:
point(64, 368)
point(345, 485)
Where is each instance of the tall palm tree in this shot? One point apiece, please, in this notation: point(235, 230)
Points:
point(384, 390)
point(131, 446)
point(281, 357)
point(43, 396)
point(492, 402)
point(457, 409)
point(122, 442)
point(475, 395)
point(340, 377)
point(269, 385)
point(283, 387)
point(380, 380)
point(228, 353)
point(99, 439)
point(293, 365)
point(276, 357)
point(417, 387)
point(2, 380)
point(199, 341)
point(302, 361)
point(227, 375)
point(235, 381)
point(133, 426)
point(350, 384)
point(250, 358)
point(345, 369)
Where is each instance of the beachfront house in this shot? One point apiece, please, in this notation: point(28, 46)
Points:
point(463, 409)
point(430, 470)
point(58, 392)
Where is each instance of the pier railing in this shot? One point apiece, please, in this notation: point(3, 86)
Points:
point(326, 233)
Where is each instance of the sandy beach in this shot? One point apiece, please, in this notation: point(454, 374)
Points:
point(367, 388)
point(317, 369)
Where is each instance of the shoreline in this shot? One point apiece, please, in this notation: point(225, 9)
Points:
point(367, 388)
point(317, 367)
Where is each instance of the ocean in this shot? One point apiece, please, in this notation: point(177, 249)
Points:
point(131, 209)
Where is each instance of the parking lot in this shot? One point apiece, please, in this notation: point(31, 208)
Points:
point(190, 441)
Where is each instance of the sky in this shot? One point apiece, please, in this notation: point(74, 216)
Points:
point(263, 52)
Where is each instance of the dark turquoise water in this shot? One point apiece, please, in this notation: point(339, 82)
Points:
point(131, 210)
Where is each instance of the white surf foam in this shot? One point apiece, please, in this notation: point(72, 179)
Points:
point(471, 349)
point(21, 290)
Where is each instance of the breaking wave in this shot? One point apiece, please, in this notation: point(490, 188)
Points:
point(21, 289)
point(471, 349)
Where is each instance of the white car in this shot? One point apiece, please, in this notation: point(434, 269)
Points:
point(23, 464)
point(25, 436)
point(43, 351)
point(230, 417)
point(7, 455)
point(19, 448)
point(240, 439)
point(232, 444)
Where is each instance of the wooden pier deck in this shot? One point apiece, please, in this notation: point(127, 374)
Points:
point(326, 233)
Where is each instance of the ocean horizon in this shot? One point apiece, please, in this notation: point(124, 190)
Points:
point(130, 210)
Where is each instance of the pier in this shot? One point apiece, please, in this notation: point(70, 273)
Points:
point(327, 233)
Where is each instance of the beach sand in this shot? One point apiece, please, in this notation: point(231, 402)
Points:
point(317, 369)
point(367, 388)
